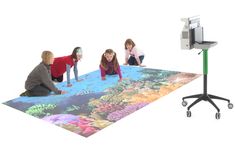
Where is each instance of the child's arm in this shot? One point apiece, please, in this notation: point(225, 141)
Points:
point(136, 54)
point(138, 60)
point(46, 80)
point(102, 72)
point(68, 75)
point(75, 69)
point(119, 73)
point(126, 57)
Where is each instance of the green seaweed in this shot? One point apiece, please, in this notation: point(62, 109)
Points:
point(41, 110)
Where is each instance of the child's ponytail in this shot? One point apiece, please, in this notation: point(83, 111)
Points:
point(103, 61)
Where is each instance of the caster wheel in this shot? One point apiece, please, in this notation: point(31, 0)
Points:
point(217, 115)
point(184, 103)
point(230, 105)
point(189, 113)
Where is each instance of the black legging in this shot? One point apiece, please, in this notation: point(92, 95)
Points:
point(58, 79)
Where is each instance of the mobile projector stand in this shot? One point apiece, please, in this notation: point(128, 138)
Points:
point(205, 96)
point(192, 37)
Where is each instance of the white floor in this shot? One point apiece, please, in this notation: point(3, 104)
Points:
point(160, 128)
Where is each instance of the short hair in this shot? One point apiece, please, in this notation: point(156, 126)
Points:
point(46, 56)
point(129, 41)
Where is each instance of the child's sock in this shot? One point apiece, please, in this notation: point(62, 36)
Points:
point(26, 93)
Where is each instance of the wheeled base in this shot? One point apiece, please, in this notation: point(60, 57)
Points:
point(205, 97)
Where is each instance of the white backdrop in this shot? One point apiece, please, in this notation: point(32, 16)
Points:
point(29, 27)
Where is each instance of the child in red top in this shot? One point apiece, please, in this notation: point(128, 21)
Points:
point(64, 64)
point(109, 64)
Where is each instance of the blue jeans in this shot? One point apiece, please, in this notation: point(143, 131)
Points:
point(132, 60)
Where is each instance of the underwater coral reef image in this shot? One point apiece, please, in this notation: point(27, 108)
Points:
point(92, 104)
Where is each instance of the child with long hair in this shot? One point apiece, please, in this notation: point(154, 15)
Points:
point(64, 64)
point(133, 56)
point(39, 81)
point(109, 64)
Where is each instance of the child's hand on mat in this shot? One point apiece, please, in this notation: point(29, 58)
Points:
point(63, 92)
point(69, 85)
point(142, 65)
point(124, 79)
point(125, 64)
point(120, 80)
point(103, 78)
point(79, 80)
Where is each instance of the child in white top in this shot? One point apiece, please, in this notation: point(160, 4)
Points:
point(133, 55)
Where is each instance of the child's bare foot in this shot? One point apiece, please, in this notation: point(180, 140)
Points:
point(141, 65)
point(63, 92)
point(79, 80)
point(69, 85)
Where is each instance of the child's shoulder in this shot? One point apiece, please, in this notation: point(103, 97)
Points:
point(135, 49)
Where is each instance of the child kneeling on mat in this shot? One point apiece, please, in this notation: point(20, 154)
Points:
point(39, 81)
point(133, 56)
point(109, 64)
point(64, 64)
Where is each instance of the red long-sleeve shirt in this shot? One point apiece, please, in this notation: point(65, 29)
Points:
point(58, 67)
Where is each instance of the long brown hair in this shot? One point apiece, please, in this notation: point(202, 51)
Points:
point(74, 53)
point(129, 41)
point(104, 61)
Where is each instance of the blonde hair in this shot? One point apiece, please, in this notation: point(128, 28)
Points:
point(46, 56)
